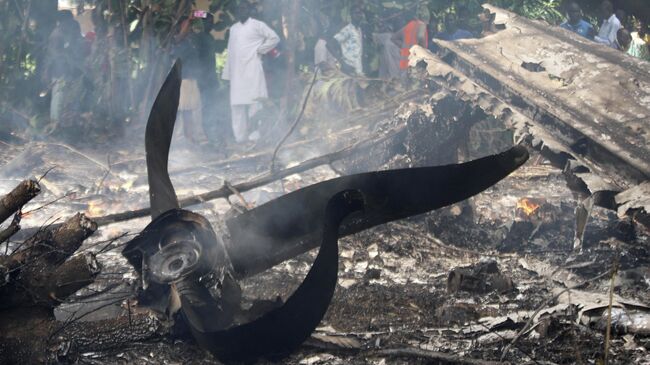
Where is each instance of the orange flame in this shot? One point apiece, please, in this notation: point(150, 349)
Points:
point(95, 209)
point(528, 206)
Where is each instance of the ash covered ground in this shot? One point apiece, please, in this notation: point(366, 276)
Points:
point(464, 280)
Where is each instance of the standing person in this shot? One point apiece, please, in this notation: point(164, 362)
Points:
point(487, 22)
point(249, 39)
point(622, 16)
point(623, 40)
point(389, 55)
point(576, 23)
point(610, 27)
point(189, 105)
point(63, 61)
point(639, 46)
point(351, 40)
point(415, 32)
point(464, 17)
point(323, 58)
point(457, 26)
point(208, 81)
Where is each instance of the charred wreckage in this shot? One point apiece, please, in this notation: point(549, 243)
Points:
point(189, 272)
point(178, 256)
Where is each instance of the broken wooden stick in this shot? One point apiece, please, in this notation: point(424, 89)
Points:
point(261, 180)
point(241, 198)
point(297, 120)
point(12, 202)
point(266, 178)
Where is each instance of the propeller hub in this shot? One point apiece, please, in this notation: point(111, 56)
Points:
point(176, 245)
point(175, 261)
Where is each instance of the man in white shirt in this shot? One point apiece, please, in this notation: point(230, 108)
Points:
point(249, 39)
point(351, 40)
point(610, 27)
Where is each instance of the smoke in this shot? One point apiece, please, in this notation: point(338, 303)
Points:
point(99, 72)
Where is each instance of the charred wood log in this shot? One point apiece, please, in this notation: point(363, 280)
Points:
point(38, 277)
point(49, 288)
point(11, 230)
point(73, 275)
point(68, 238)
point(12, 202)
point(30, 336)
point(261, 180)
point(80, 337)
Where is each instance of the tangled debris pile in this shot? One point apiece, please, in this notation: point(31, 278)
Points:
point(518, 273)
point(393, 301)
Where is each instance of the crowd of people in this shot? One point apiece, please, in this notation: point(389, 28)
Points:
point(344, 50)
point(65, 53)
point(251, 41)
point(86, 77)
point(616, 30)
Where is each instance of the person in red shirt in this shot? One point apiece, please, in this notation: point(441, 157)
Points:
point(415, 32)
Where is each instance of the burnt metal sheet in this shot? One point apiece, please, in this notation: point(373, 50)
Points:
point(592, 98)
point(588, 176)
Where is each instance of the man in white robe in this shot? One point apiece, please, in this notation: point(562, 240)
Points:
point(249, 40)
point(610, 27)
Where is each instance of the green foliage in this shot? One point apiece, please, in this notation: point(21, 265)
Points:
point(338, 91)
point(24, 28)
point(547, 10)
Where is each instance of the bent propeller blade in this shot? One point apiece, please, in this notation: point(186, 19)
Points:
point(162, 197)
point(157, 141)
point(287, 226)
point(279, 332)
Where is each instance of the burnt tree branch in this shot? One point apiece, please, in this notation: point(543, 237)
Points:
point(73, 275)
point(39, 276)
point(12, 202)
point(68, 238)
point(261, 180)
